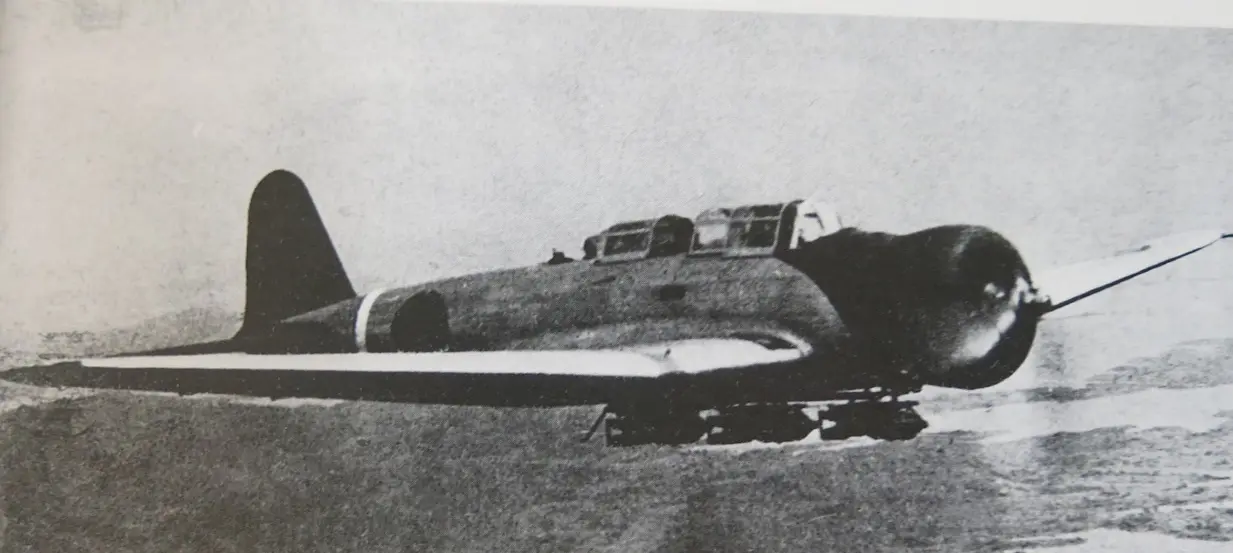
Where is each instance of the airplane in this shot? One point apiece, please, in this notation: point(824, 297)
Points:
point(728, 328)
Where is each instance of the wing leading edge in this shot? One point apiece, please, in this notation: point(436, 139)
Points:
point(492, 378)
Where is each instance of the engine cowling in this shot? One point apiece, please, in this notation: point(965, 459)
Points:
point(954, 305)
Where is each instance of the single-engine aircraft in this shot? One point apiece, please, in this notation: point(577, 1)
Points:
point(730, 327)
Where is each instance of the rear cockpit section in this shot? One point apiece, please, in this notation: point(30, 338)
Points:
point(649, 238)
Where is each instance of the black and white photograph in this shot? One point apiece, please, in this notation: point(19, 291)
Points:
point(388, 275)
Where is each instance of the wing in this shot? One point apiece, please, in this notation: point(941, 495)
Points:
point(1071, 283)
point(497, 378)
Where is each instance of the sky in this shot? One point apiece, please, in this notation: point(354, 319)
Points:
point(444, 139)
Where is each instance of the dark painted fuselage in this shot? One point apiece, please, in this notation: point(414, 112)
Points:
point(877, 310)
point(591, 305)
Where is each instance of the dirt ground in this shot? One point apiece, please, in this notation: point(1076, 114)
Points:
point(125, 472)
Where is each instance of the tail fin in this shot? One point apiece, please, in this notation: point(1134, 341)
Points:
point(292, 265)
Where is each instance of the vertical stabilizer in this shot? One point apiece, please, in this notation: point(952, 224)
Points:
point(291, 262)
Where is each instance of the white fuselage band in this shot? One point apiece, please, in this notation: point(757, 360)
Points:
point(361, 319)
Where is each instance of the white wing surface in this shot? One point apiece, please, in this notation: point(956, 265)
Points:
point(1068, 284)
point(498, 378)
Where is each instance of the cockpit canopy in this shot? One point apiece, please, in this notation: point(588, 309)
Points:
point(667, 235)
point(711, 231)
point(751, 230)
point(761, 229)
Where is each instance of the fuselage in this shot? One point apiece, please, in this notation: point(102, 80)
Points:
point(589, 305)
point(871, 338)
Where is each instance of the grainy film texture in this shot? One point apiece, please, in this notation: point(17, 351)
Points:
point(448, 142)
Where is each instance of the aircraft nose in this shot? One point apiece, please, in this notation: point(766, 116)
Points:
point(952, 305)
point(978, 328)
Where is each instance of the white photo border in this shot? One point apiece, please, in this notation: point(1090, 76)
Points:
point(1162, 13)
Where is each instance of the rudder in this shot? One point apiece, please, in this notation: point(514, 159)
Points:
point(292, 266)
